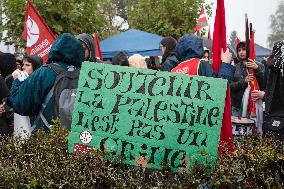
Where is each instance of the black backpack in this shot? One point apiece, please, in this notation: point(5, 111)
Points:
point(64, 91)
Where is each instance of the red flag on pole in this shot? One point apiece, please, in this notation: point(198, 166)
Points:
point(98, 49)
point(37, 34)
point(252, 47)
point(253, 84)
point(247, 36)
point(219, 43)
point(202, 20)
point(209, 34)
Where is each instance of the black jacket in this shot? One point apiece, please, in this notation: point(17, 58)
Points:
point(6, 126)
point(239, 85)
point(170, 63)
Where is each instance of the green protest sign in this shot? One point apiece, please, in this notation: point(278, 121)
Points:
point(147, 118)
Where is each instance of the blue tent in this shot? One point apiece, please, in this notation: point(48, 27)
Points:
point(262, 51)
point(132, 41)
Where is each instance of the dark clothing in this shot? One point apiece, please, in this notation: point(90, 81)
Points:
point(239, 85)
point(170, 63)
point(120, 58)
point(226, 71)
point(9, 80)
point(29, 95)
point(277, 103)
point(7, 64)
point(7, 67)
point(274, 93)
point(189, 46)
point(274, 105)
point(89, 42)
point(4, 91)
point(6, 127)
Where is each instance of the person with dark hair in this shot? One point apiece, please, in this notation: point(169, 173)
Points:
point(120, 58)
point(30, 95)
point(19, 63)
point(89, 47)
point(31, 63)
point(206, 55)
point(7, 66)
point(242, 78)
point(190, 51)
point(168, 48)
point(22, 124)
point(151, 63)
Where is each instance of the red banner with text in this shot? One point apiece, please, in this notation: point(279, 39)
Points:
point(37, 34)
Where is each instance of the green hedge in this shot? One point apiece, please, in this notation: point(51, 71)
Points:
point(43, 162)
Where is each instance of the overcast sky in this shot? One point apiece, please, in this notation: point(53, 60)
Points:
point(258, 12)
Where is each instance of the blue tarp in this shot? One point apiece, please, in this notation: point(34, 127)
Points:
point(132, 41)
point(260, 51)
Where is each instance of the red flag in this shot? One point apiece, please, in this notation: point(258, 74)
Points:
point(219, 43)
point(252, 47)
point(253, 84)
point(98, 49)
point(247, 36)
point(202, 20)
point(38, 35)
point(209, 34)
point(237, 41)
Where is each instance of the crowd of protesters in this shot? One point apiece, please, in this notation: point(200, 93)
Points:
point(26, 84)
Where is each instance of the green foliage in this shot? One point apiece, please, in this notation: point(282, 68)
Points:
point(71, 16)
point(256, 163)
point(165, 17)
point(277, 25)
point(43, 162)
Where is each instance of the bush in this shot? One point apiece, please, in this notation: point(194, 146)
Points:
point(43, 162)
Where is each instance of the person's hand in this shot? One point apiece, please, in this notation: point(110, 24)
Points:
point(249, 78)
point(16, 74)
point(2, 110)
point(251, 64)
point(226, 56)
point(256, 95)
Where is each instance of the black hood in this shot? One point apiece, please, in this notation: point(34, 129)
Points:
point(89, 42)
point(7, 64)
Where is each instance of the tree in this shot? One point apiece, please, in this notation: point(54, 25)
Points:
point(71, 16)
point(277, 25)
point(165, 17)
point(233, 38)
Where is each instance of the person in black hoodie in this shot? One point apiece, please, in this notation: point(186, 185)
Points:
point(169, 59)
point(7, 67)
point(6, 121)
point(89, 47)
point(274, 92)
